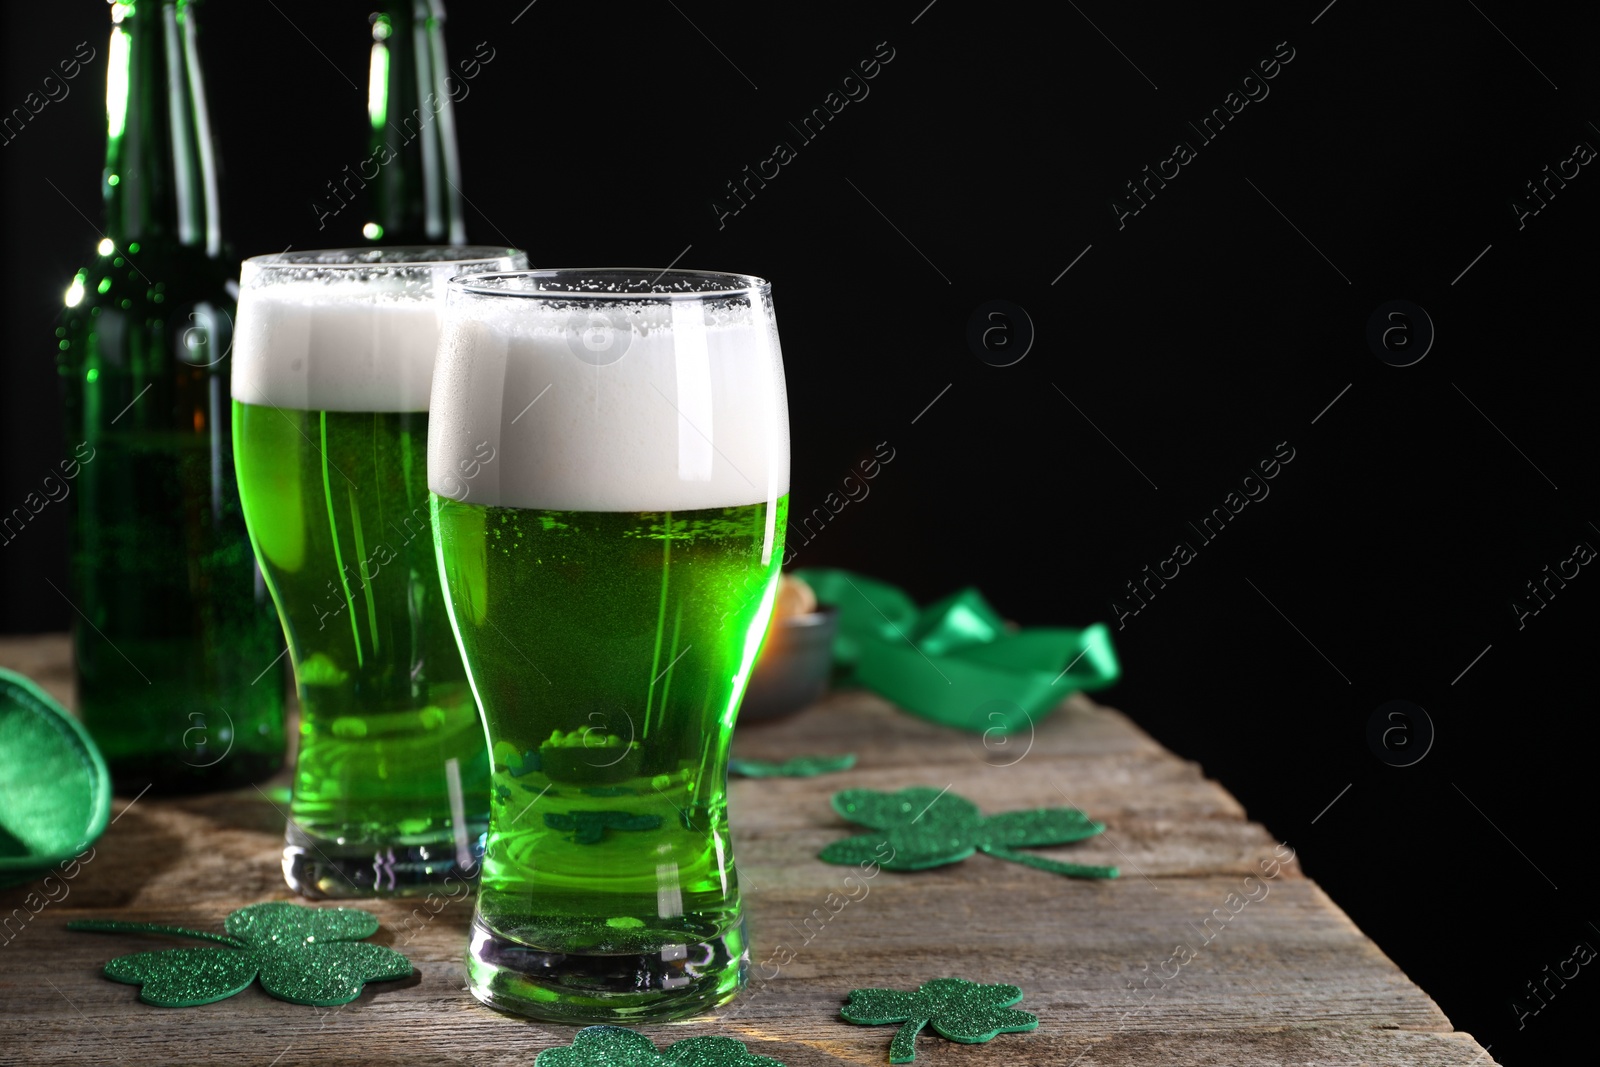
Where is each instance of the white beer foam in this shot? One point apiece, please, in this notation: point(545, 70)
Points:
point(334, 348)
point(692, 415)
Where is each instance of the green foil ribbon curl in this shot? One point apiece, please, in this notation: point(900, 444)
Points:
point(955, 662)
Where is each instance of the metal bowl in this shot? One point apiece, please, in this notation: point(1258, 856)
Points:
point(793, 670)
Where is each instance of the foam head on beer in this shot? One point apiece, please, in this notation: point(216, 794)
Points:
point(654, 404)
point(346, 330)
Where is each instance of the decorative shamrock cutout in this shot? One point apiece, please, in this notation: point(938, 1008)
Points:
point(517, 764)
point(799, 767)
point(615, 1046)
point(302, 955)
point(930, 827)
point(956, 1008)
point(589, 827)
point(589, 756)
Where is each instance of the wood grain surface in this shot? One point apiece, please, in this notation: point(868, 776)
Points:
point(1179, 961)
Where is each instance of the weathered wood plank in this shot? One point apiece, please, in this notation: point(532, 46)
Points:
point(1102, 787)
point(859, 722)
point(1281, 978)
point(1141, 848)
point(1289, 966)
point(149, 858)
point(1287, 958)
point(1266, 977)
point(464, 1033)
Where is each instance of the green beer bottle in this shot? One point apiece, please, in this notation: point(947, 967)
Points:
point(176, 642)
point(412, 170)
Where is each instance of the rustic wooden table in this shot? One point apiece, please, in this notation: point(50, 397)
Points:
point(1279, 975)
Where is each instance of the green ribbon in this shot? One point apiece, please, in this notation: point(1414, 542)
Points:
point(954, 662)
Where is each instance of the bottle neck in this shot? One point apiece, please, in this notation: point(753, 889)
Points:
point(416, 196)
point(160, 181)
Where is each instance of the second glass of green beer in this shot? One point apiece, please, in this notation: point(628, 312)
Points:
point(609, 578)
point(333, 359)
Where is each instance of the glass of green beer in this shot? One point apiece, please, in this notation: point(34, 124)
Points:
point(332, 363)
point(609, 579)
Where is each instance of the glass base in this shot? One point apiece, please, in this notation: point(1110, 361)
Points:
point(673, 982)
point(319, 867)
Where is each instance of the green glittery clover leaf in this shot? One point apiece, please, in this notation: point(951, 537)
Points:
point(960, 1010)
point(616, 1046)
point(589, 827)
point(302, 955)
point(926, 827)
point(799, 767)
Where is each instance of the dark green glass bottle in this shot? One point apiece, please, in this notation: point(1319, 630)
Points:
point(414, 198)
point(176, 642)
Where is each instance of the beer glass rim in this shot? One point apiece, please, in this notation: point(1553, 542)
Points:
point(613, 284)
point(387, 257)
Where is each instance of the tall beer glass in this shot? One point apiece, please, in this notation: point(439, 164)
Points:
point(609, 579)
point(333, 356)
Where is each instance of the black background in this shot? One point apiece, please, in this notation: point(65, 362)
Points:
point(1196, 338)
